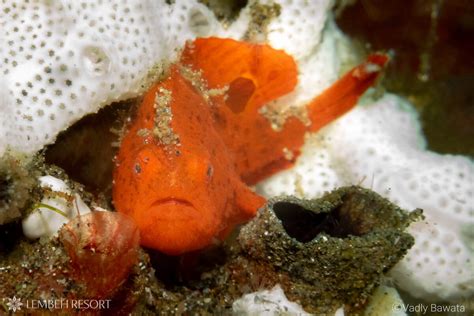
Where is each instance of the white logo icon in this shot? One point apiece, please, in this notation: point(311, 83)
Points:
point(14, 304)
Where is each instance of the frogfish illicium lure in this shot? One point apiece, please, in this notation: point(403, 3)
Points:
point(199, 140)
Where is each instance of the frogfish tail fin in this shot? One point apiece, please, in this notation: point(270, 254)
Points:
point(343, 95)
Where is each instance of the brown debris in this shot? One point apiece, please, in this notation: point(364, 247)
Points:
point(163, 117)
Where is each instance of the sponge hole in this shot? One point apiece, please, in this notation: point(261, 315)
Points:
point(96, 61)
point(199, 22)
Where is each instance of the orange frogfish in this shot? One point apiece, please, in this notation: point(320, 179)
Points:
point(199, 140)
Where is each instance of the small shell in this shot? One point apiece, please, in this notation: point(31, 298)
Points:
point(103, 246)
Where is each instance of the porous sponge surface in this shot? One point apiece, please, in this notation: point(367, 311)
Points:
point(64, 59)
point(267, 302)
point(61, 60)
point(379, 146)
point(184, 20)
point(317, 70)
point(298, 28)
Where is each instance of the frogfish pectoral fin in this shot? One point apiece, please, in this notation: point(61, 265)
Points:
point(247, 201)
point(246, 204)
point(343, 95)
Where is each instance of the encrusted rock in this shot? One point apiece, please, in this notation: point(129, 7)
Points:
point(324, 254)
point(17, 181)
point(46, 274)
point(334, 249)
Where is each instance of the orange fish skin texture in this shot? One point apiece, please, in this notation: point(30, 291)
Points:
point(183, 196)
point(180, 201)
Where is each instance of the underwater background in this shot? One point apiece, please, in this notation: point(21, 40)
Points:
point(430, 44)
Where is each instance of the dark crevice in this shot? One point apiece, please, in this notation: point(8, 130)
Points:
point(186, 269)
point(5, 191)
point(225, 10)
point(304, 225)
point(10, 235)
point(86, 149)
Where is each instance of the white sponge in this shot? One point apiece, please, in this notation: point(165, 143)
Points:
point(313, 174)
point(298, 28)
point(316, 72)
point(268, 303)
point(61, 60)
point(184, 20)
point(385, 301)
point(380, 146)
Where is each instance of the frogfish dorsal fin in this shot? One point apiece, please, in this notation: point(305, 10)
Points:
point(254, 73)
